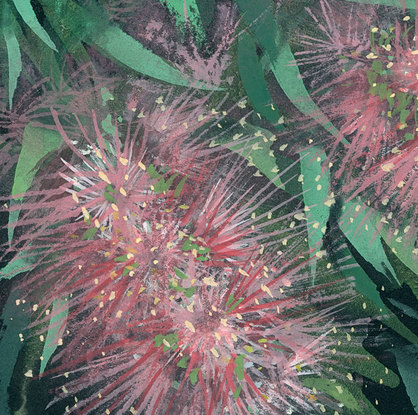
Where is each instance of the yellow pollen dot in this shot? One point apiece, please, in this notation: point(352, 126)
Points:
point(123, 161)
point(214, 352)
point(104, 177)
point(190, 326)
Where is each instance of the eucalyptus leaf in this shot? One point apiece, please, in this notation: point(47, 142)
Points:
point(56, 328)
point(357, 224)
point(315, 185)
point(36, 144)
point(28, 15)
point(13, 50)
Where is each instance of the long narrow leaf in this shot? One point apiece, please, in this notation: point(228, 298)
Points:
point(260, 15)
point(14, 323)
point(315, 185)
point(56, 327)
point(91, 28)
point(252, 77)
point(409, 4)
point(357, 224)
point(14, 60)
point(28, 15)
point(187, 13)
point(36, 144)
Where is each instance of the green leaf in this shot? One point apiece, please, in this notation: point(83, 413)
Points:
point(235, 305)
point(230, 300)
point(180, 274)
point(14, 60)
point(15, 321)
point(37, 143)
point(183, 362)
point(330, 388)
point(189, 292)
point(180, 186)
point(89, 234)
point(153, 173)
point(56, 328)
point(260, 15)
point(237, 391)
point(193, 375)
point(28, 15)
point(89, 25)
point(257, 151)
point(206, 10)
point(364, 285)
point(187, 13)
point(121, 258)
point(107, 125)
point(20, 263)
point(357, 224)
point(315, 187)
point(409, 4)
point(407, 361)
point(239, 367)
point(109, 197)
point(403, 248)
point(252, 76)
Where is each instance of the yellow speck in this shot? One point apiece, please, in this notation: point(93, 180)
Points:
point(190, 326)
point(214, 352)
point(104, 177)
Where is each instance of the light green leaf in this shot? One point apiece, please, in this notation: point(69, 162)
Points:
point(28, 15)
point(256, 150)
point(187, 12)
point(315, 185)
point(56, 328)
point(357, 223)
point(14, 60)
point(403, 246)
point(21, 263)
point(333, 390)
point(36, 144)
point(260, 15)
point(89, 26)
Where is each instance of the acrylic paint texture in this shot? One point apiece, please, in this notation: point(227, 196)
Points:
point(208, 207)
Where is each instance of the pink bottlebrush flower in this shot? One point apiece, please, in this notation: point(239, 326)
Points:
point(238, 343)
point(197, 51)
point(345, 30)
point(373, 101)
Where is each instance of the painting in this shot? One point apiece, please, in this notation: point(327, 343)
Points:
point(208, 207)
